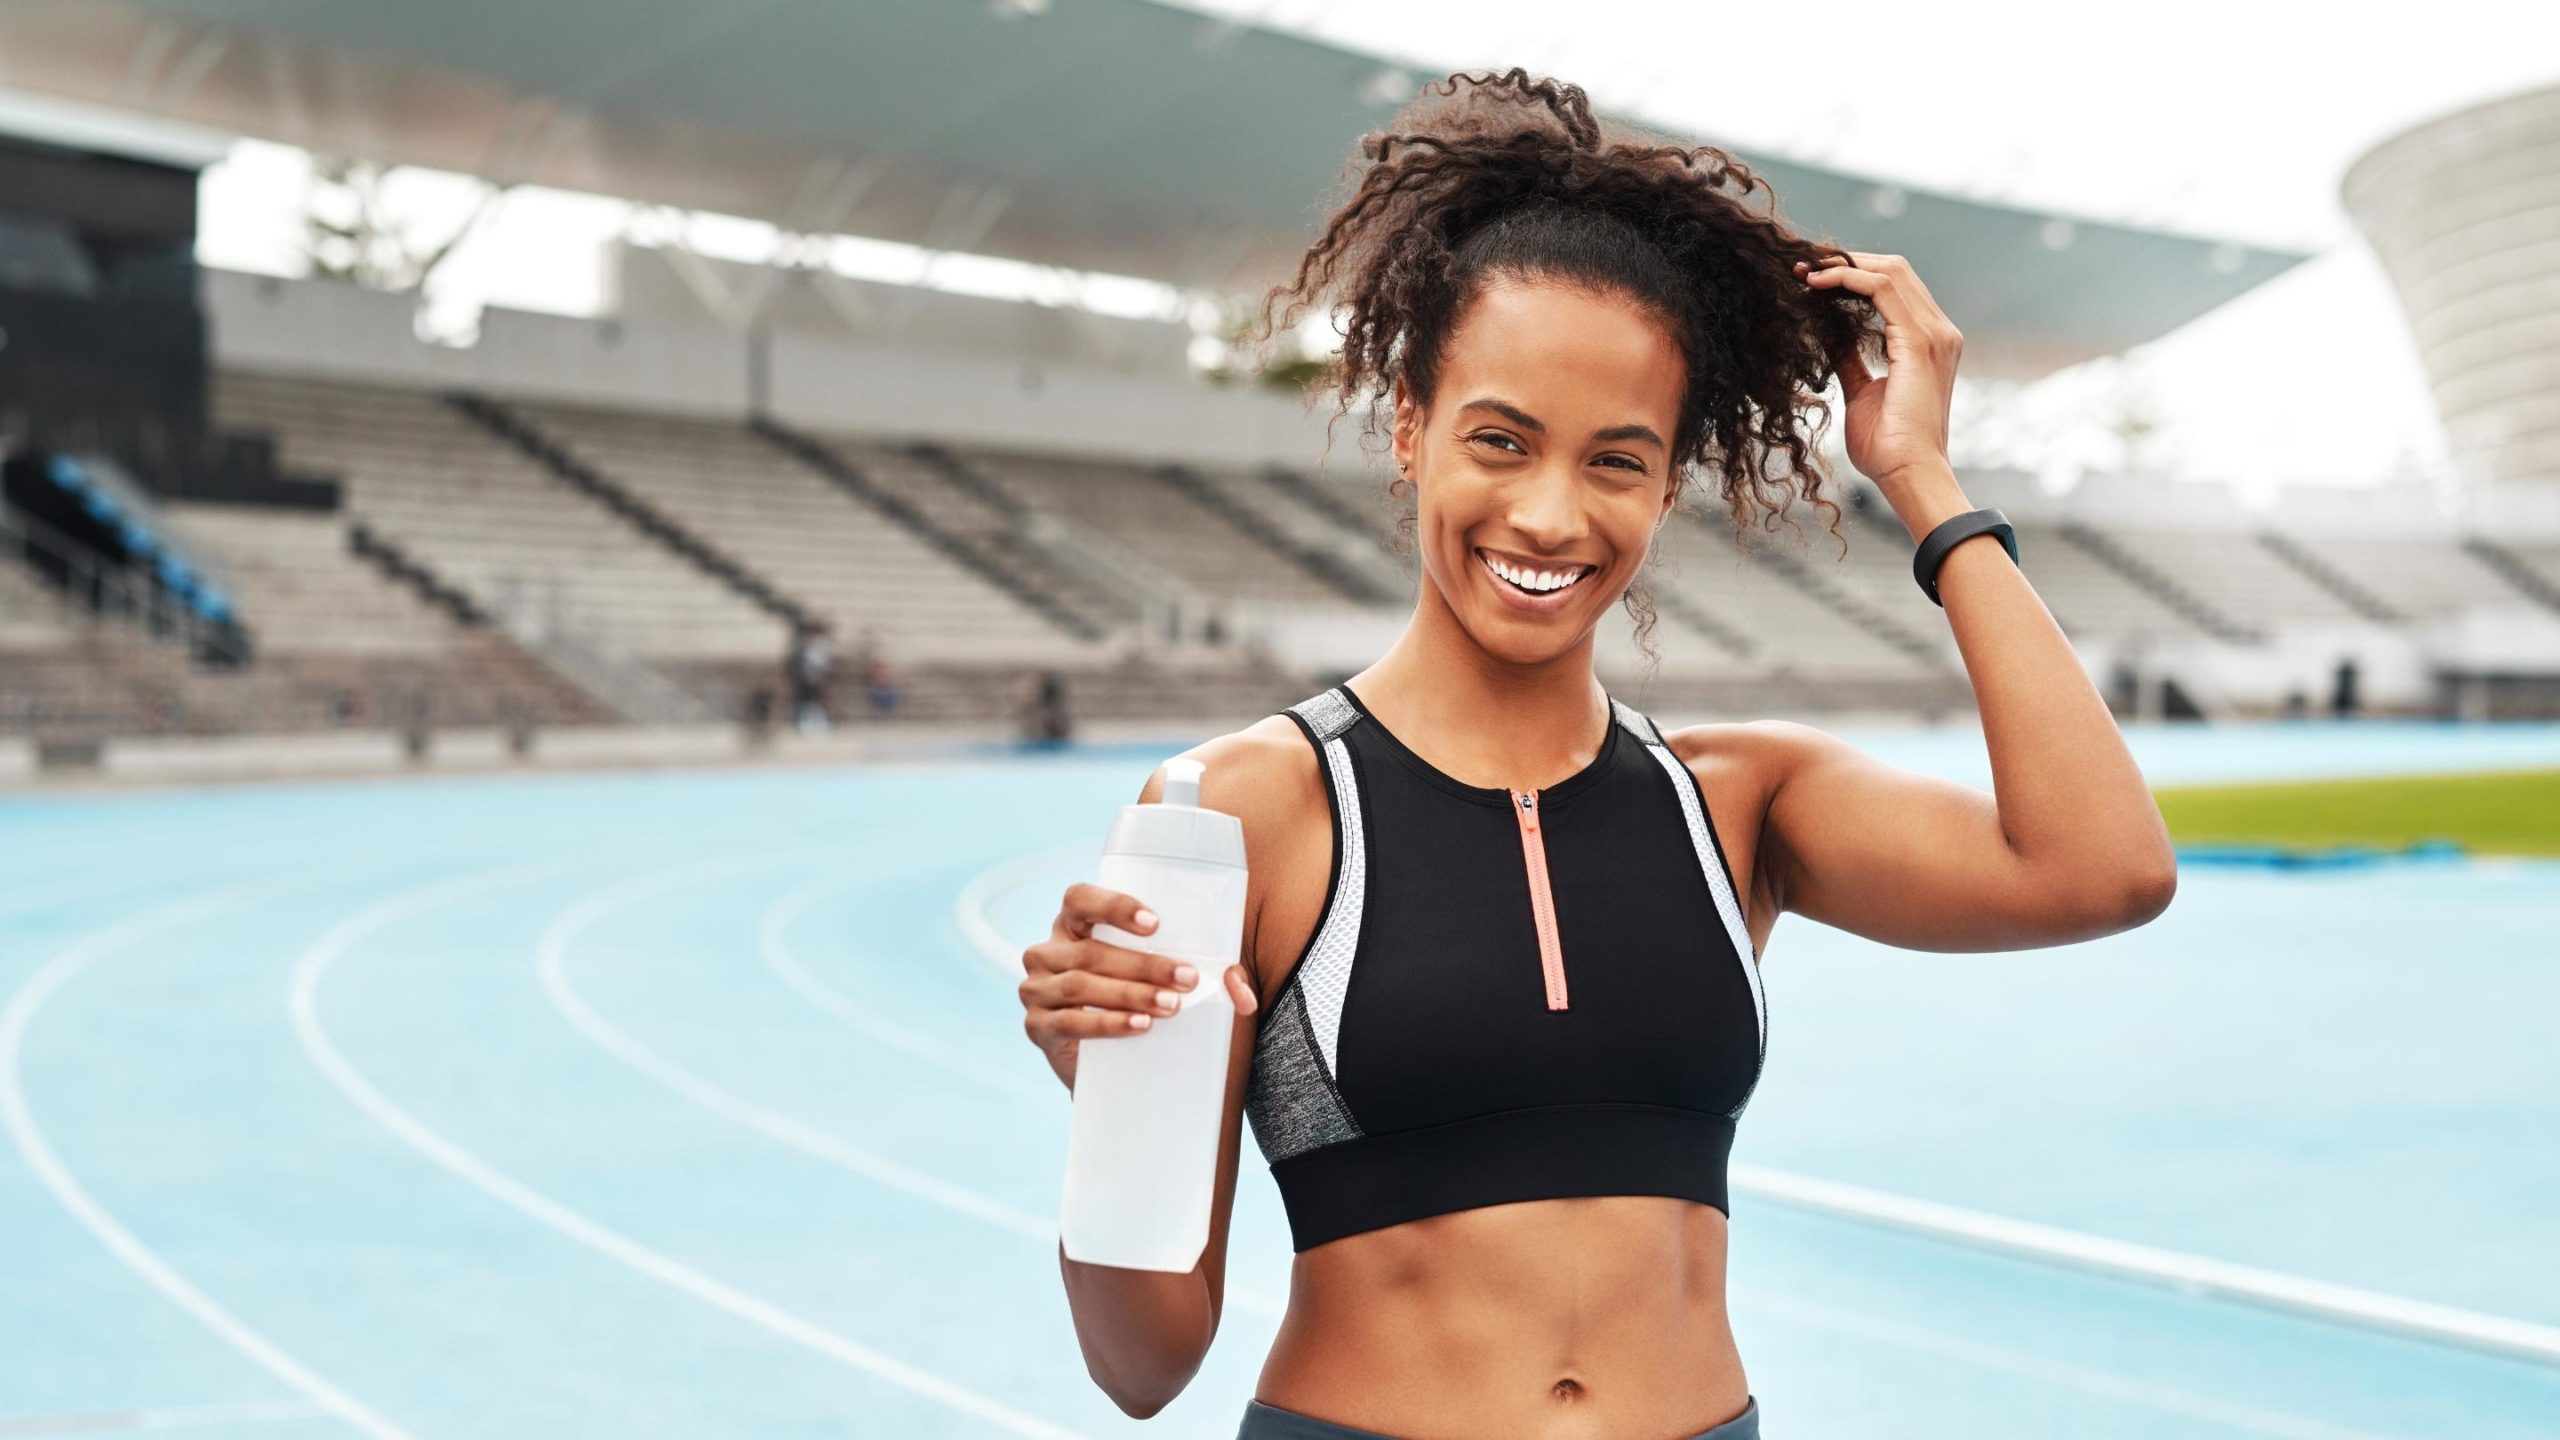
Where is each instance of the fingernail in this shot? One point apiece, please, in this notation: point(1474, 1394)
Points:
point(1140, 1022)
point(1146, 918)
point(1166, 999)
point(1183, 975)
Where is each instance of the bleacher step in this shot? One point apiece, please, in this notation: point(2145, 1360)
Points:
point(1336, 573)
point(2512, 569)
point(2140, 573)
point(2328, 577)
point(848, 477)
point(647, 518)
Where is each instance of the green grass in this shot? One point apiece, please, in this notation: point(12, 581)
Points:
point(2500, 813)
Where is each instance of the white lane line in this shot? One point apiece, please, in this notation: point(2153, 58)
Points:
point(57, 1178)
point(2186, 1274)
point(551, 960)
point(784, 962)
point(969, 908)
point(163, 1417)
point(313, 969)
point(553, 964)
point(2058, 1372)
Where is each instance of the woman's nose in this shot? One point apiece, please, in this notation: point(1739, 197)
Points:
point(1547, 509)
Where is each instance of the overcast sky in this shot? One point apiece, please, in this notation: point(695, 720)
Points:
point(2223, 119)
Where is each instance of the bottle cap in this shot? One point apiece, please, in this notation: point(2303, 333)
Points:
point(1182, 780)
point(1176, 827)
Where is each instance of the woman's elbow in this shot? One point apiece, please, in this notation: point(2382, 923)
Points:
point(1143, 1401)
point(2135, 898)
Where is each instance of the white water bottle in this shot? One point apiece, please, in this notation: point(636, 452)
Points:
point(1142, 1155)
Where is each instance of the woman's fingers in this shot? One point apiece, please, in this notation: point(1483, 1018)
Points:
point(1087, 904)
point(1047, 1026)
point(1896, 288)
point(1241, 986)
point(1876, 285)
point(1904, 275)
point(1914, 325)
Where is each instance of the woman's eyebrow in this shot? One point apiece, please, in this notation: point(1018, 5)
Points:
point(1527, 421)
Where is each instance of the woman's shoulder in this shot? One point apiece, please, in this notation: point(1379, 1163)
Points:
point(1265, 774)
point(1751, 755)
point(1258, 766)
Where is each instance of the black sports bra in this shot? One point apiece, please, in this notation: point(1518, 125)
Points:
point(1512, 995)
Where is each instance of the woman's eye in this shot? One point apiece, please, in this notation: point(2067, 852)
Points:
point(1631, 463)
point(1492, 435)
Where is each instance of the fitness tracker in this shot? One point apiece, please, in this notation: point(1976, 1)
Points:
point(1950, 532)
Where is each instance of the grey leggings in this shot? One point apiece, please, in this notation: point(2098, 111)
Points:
point(1270, 1422)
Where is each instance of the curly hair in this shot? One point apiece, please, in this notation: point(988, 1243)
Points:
point(1486, 175)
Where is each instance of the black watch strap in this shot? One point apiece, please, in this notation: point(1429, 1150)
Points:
point(1951, 532)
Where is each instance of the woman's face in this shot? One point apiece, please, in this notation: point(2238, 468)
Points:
point(1544, 454)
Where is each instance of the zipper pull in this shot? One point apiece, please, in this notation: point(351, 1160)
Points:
point(1542, 905)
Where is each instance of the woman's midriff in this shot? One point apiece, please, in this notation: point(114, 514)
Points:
point(1555, 1319)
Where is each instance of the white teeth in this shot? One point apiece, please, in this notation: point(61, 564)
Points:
point(1532, 579)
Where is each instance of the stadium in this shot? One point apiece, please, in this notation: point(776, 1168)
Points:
point(523, 821)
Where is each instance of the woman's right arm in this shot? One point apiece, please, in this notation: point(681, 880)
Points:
point(1144, 1333)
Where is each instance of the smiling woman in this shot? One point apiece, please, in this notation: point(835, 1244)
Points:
point(1503, 1149)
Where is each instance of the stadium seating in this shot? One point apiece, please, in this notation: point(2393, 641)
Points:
point(497, 526)
point(303, 590)
point(807, 537)
point(31, 620)
point(2418, 578)
point(1165, 528)
point(2236, 574)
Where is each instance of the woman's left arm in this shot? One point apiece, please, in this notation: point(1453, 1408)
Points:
point(2071, 844)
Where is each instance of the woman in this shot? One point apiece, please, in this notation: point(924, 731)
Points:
point(1503, 1151)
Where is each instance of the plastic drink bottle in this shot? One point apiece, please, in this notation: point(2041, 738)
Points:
point(1142, 1154)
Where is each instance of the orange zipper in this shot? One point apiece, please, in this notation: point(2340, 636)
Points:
point(1542, 902)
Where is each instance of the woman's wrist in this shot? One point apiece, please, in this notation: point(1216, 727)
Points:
point(1925, 498)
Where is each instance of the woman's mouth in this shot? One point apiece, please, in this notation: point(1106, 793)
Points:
point(1540, 589)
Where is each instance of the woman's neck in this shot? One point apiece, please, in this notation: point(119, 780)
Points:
point(1483, 719)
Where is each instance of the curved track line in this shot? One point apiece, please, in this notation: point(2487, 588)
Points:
point(2187, 1274)
point(784, 962)
point(553, 963)
point(57, 1178)
point(969, 907)
point(313, 968)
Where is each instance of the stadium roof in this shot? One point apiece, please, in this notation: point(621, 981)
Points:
point(1121, 136)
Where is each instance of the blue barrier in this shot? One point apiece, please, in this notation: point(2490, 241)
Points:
point(2317, 857)
point(180, 578)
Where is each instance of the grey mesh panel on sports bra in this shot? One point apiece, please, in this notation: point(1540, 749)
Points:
point(1290, 1099)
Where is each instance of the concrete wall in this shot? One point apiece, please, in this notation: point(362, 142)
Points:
point(907, 389)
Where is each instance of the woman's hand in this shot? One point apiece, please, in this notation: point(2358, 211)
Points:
point(1071, 971)
point(1896, 424)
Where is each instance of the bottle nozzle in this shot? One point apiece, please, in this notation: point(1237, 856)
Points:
point(1182, 781)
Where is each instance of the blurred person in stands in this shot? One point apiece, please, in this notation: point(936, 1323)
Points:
point(1045, 720)
point(807, 668)
point(1497, 1094)
point(880, 683)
